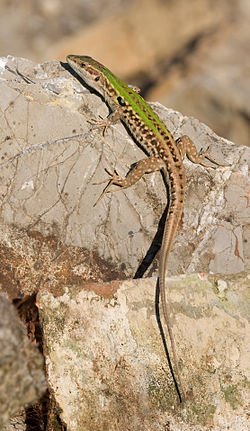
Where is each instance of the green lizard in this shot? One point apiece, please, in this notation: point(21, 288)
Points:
point(164, 152)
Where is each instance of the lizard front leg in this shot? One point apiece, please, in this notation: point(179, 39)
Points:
point(116, 115)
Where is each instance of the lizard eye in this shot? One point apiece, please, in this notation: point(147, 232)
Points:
point(121, 101)
point(97, 78)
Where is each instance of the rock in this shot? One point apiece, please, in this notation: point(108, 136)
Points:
point(50, 159)
point(16, 423)
point(22, 379)
point(107, 367)
point(50, 232)
point(29, 259)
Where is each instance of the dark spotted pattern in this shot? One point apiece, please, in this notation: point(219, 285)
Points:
point(143, 123)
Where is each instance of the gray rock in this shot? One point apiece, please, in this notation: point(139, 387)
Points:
point(104, 355)
point(22, 379)
point(106, 364)
point(50, 159)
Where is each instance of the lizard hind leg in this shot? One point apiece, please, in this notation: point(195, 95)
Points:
point(187, 148)
point(115, 179)
point(145, 166)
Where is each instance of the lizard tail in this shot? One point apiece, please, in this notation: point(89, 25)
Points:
point(172, 222)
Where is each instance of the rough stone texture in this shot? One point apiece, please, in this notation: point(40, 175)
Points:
point(16, 423)
point(50, 159)
point(106, 365)
point(22, 379)
point(29, 260)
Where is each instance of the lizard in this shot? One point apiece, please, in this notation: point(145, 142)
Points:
point(165, 154)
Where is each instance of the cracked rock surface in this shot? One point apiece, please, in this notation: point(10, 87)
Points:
point(50, 159)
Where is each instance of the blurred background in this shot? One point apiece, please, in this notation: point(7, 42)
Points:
point(190, 55)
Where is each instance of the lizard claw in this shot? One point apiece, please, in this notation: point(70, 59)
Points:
point(115, 179)
point(99, 124)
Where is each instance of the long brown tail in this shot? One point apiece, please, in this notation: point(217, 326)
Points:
point(172, 222)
